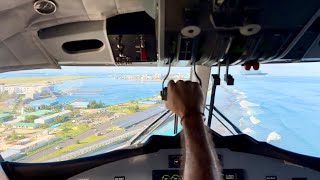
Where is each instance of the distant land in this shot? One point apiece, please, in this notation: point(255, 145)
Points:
point(37, 80)
point(152, 77)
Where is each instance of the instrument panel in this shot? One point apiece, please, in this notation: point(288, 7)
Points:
point(227, 174)
point(163, 165)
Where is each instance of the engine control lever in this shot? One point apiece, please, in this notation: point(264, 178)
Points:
point(164, 91)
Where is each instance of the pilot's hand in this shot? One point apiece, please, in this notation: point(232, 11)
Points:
point(184, 97)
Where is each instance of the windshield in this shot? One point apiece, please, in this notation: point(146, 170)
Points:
point(278, 104)
point(54, 115)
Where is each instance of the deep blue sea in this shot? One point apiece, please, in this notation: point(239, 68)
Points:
point(281, 108)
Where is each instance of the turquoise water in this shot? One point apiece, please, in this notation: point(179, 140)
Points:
point(107, 90)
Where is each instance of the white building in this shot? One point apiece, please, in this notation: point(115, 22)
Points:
point(10, 154)
point(50, 118)
point(34, 95)
point(33, 145)
point(23, 141)
point(25, 89)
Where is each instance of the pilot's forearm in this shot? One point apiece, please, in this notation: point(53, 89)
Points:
point(200, 160)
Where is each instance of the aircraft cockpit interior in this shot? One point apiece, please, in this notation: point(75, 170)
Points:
point(83, 85)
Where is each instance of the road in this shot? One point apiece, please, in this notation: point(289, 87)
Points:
point(141, 119)
point(104, 149)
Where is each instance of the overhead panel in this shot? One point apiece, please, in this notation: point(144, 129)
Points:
point(236, 32)
point(132, 39)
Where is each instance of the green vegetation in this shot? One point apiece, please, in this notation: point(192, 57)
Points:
point(68, 107)
point(130, 107)
point(38, 113)
point(56, 108)
point(70, 147)
point(29, 109)
point(78, 144)
point(44, 79)
point(13, 135)
point(90, 139)
point(70, 129)
point(115, 128)
point(119, 139)
point(73, 113)
point(45, 107)
point(44, 147)
point(95, 104)
point(60, 119)
point(30, 118)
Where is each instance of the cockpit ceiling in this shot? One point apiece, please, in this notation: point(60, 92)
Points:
point(20, 46)
point(150, 32)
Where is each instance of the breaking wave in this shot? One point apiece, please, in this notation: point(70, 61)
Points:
point(273, 136)
point(248, 131)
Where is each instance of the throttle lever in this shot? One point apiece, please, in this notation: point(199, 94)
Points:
point(164, 91)
point(164, 94)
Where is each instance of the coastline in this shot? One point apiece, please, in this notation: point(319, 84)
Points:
point(38, 80)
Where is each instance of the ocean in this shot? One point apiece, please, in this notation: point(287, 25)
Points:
point(280, 108)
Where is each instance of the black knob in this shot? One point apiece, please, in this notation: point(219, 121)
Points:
point(164, 94)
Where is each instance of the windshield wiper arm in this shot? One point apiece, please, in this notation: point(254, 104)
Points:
point(227, 120)
point(221, 122)
point(137, 137)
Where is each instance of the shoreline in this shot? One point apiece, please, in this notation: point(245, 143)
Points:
point(46, 80)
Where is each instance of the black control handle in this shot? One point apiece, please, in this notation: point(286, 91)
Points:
point(164, 94)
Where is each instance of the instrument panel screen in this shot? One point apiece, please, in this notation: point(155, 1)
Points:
point(228, 174)
point(166, 175)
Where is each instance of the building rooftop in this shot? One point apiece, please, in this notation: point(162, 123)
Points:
point(30, 144)
point(4, 115)
point(54, 126)
point(26, 124)
point(9, 152)
point(53, 115)
point(36, 113)
point(24, 140)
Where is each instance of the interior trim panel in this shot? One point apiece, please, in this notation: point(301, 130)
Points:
point(236, 165)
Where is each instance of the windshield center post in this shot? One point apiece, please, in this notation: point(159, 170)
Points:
point(215, 83)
